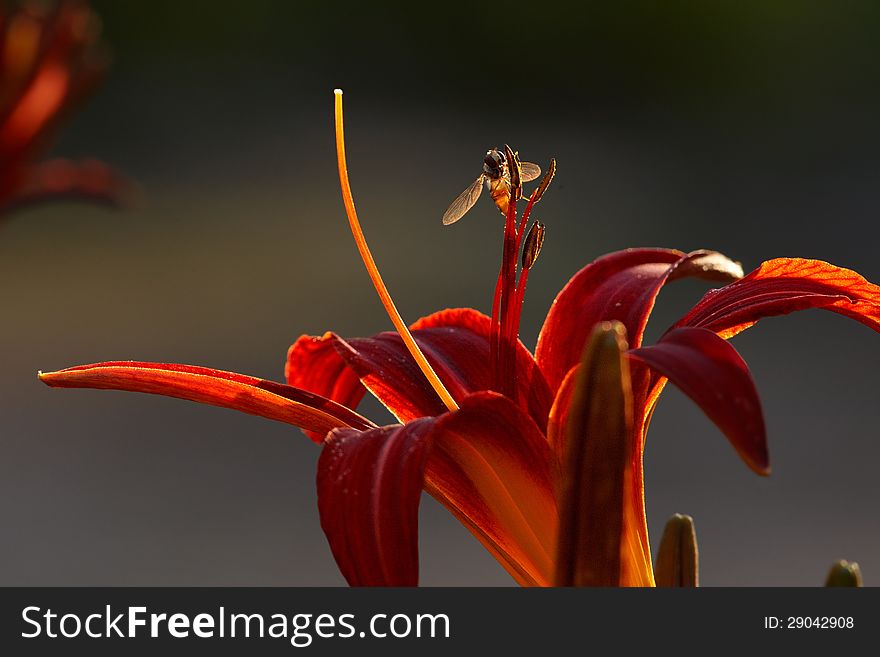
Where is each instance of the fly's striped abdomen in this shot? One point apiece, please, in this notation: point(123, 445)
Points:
point(499, 190)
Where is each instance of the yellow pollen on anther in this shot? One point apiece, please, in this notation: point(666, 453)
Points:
point(373, 271)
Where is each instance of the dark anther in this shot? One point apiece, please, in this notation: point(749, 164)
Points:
point(545, 181)
point(534, 242)
point(515, 169)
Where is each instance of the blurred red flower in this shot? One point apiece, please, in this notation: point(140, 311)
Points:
point(50, 58)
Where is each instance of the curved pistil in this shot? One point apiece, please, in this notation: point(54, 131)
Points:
point(373, 271)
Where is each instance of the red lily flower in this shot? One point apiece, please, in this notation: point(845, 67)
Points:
point(50, 58)
point(540, 457)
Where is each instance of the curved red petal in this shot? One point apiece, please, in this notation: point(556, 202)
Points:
point(248, 394)
point(369, 485)
point(710, 371)
point(315, 365)
point(487, 463)
point(620, 286)
point(558, 418)
point(782, 286)
point(457, 344)
point(494, 470)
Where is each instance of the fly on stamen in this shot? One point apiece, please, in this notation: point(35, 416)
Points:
point(495, 176)
point(514, 168)
point(532, 248)
point(545, 182)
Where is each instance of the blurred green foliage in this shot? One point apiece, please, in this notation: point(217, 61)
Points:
point(614, 53)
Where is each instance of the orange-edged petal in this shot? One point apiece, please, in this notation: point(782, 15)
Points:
point(487, 463)
point(315, 365)
point(493, 469)
point(248, 394)
point(558, 418)
point(600, 539)
point(620, 286)
point(369, 485)
point(782, 286)
point(711, 372)
point(456, 343)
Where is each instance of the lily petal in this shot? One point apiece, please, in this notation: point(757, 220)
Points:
point(558, 418)
point(456, 343)
point(315, 365)
point(369, 485)
point(711, 372)
point(620, 286)
point(487, 463)
point(782, 286)
point(248, 394)
point(493, 469)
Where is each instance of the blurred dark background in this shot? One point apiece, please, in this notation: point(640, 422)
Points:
point(749, 127)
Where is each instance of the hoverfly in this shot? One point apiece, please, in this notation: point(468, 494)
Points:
point(496, 176)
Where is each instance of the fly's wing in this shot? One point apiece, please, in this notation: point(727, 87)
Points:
point(464, 202)
point(530, 171)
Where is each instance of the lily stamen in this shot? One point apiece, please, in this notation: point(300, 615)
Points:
point(537, 195)
point(373, 270)
point(531, 250)
point(509, 294)
point(506, 349)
